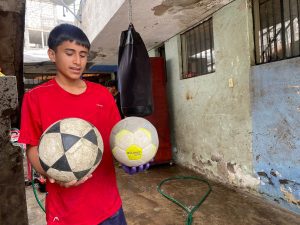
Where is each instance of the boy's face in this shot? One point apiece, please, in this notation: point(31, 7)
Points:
point(70, 59)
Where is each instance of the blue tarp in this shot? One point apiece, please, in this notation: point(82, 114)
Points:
point(103, 68)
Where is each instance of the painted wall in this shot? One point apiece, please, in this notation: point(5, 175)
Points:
point(212, 121)
point(276, 129)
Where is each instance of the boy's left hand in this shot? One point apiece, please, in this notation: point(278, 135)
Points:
point(136, 169)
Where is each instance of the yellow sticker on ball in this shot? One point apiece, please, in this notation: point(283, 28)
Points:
point(134, 152)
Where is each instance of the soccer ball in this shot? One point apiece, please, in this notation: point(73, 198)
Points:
point(70, 149)
point(134, 141)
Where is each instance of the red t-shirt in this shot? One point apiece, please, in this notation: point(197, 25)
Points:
point(98, 198)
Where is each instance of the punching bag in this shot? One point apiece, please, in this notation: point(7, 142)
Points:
point(134, 75)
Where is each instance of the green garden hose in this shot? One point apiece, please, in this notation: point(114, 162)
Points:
point(189, 220)
point(34, 191)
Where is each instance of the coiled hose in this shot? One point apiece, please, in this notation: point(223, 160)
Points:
point(190, 213)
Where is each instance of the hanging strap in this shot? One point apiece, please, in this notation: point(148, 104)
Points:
point(130, 11)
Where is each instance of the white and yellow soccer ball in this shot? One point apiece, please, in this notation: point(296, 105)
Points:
point(134, 141)
point(70, 149)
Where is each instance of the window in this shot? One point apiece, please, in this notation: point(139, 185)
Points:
point(276, 25)
point(35, 38)
point(198, 50)
point(38, 39)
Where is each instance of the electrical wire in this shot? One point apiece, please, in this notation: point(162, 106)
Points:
point(190, 212)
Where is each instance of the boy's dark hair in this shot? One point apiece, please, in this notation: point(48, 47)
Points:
point(67, 32)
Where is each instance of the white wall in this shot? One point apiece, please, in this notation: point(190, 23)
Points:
point(94, 21)
point(210, 120)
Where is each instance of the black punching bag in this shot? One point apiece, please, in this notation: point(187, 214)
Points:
point(134, 75)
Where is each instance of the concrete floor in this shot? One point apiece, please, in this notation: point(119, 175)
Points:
point(144, 205)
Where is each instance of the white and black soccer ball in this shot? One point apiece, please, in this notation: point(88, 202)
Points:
point(70, 149)
point(134, 141)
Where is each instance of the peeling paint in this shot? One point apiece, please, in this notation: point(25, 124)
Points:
point(275, 173)
point(209, 163)
point(230, 167)
point(216, 158)
point(265, 178)
point(168, 4)
point(288, 195)
point(283, 181)
point(202, 162)
point(257, 157)
point(291, 187)
point(242, 178)
point(160, 9)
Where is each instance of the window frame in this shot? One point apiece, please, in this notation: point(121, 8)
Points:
point(194, 43)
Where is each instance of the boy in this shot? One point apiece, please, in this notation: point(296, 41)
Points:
point(95, 199)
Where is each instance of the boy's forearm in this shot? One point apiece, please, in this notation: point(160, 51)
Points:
point(33, 156)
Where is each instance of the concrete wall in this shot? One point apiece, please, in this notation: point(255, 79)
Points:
point(12, 190)
point(12, 14)
point(276, 129)
point(91, 11)
point(12, 195)
point(212, 121)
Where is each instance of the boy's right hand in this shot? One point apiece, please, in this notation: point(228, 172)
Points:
point(72, 183)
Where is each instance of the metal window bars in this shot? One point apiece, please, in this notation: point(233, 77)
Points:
point(276, 29)
point(197, 47)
